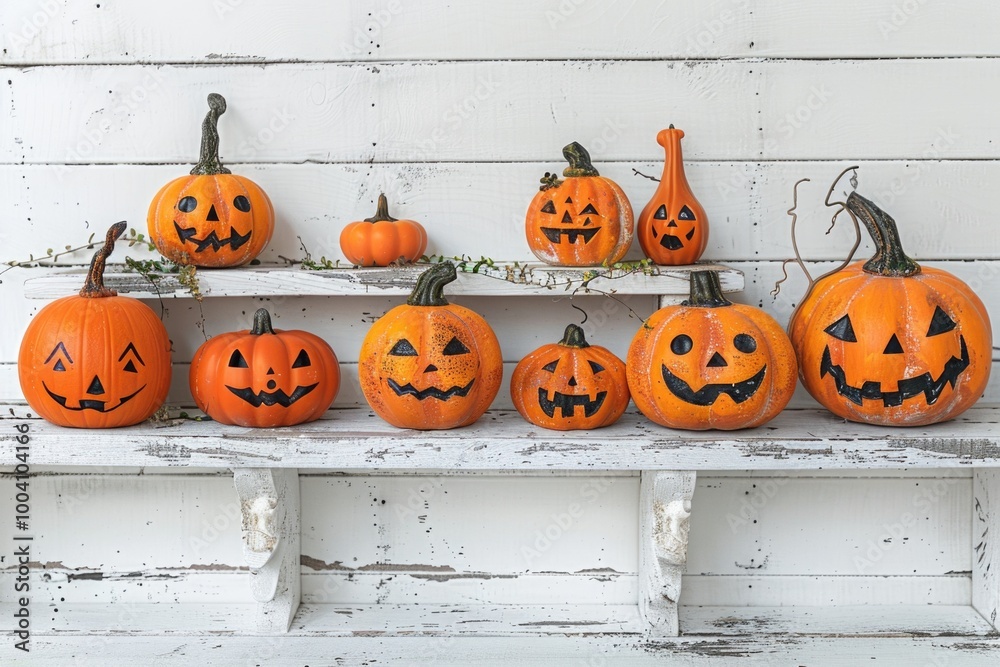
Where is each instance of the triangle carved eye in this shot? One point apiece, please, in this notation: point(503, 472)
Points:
point(59, 365)
point(455, 346)
point(940, 323)
point(685, 214)
point(236, 360)
point(661, 213)
point(549, 207)
point(403, 348)
point(842, 330)
point(551, 366)
point(589, 210)
point(130, 367)
point(302, 360)
point(595, 367)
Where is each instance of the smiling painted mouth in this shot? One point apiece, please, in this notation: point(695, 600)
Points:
point(739, 391)
point(555, 234)
point(673, 242)
point(235, 240)
point(431, 392)
point(90, 404)
point(568, 402)
point(906, 388)
point(278, 397)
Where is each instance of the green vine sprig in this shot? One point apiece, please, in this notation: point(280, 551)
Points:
point(50, 256)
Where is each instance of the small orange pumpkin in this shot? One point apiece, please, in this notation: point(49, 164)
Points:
point(211, 218)
point(264, 377)
point(673, 226)
point(888, 341)
point(429, 364)
point(382, 240)
point(709, 363)
point(96, 360)
point(584, 220)
point(570, 385)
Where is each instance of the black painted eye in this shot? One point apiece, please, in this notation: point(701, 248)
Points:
point(302, 360)
point(237, 360)
point(187, 204)
point(549, 207)
point(595, 367)
point(745, 343)
point(681, 344)
point(842, 330)
point(59, 366)
point(242, 203)
point(551, 366)
point(661, 213)
point(130, 367)
point(455, 346)
point(590, 210)
point(940, 323)
point(403, 348)
point(685, 214)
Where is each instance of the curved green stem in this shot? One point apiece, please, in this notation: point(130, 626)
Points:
point(706, 290)
point(429, 290)
point(889, 259)
point(94, 287)
point(573, 337)
point(209, 162)
point(382, 212)
point(579, 161)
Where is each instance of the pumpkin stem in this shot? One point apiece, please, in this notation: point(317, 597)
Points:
point(382, 212)
point(429, 290)
point(261, 323)
point(889, 259)
point(574, 337)
point(209, 162)
point(94, 287)
point(579, 161)
point(706, 291)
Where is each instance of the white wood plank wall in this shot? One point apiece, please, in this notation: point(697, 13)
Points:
point(454, 109)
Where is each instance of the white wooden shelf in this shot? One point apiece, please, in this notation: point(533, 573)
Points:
point(537, 279)
point(356, 439)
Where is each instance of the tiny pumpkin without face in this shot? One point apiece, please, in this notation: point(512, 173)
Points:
point(264, 377)
point(382, 240)
point(584, 220)
point(429, 364)
point(211, 218)
point(570, 385)
point(709, 363)
point(96, 360)
point(888, 341)
point(673, 226)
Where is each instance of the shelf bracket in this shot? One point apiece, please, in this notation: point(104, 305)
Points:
point(664, 521)
point(986, 544)
point(269, 502)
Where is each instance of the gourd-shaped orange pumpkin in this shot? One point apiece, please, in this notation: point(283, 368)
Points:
point(96, 360)
point(673, 227)
point(211, 218)
point(570, 385)
point(264, 377)
point(888, 341)
point(584, 220)
point(382, 240)
point(709, 363)
point(430, 364)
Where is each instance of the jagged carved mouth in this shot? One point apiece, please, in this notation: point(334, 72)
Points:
point(905, 388)
point(673, 242)
point(90, 404)
point(568, 403)
point(555, 234)
point(430, 392)
point(738, 391)
point(278, 397)
point(235, 240)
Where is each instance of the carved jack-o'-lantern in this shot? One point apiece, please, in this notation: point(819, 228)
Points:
point(710, 363)
point(429, 364)
point(584, 220)
point(264, 377)
point(888, 341)
point(673, 227)
point(570, 385)
point(96, 360)
point(211, 218)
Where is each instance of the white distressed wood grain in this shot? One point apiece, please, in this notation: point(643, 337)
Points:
point(482, 112)
point(985, 531)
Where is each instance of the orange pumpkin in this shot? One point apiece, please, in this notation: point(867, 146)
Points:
point(211, 218)
point(673, 227)
point(708, 363)
point(382, 240)
point(96, 360)
point(889, 342)
point(264, 377)
point(584, 220)
point(429, 364)
point(570, 385)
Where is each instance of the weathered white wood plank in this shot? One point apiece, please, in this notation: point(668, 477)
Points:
point(483, 112)
point(357, 440)
point(986, 554)
point(238, 31)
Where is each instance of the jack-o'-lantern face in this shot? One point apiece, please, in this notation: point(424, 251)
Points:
point(714, 377)
point(439, 367)
point(669, 231)
point(240, 379)
point(65, 377)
